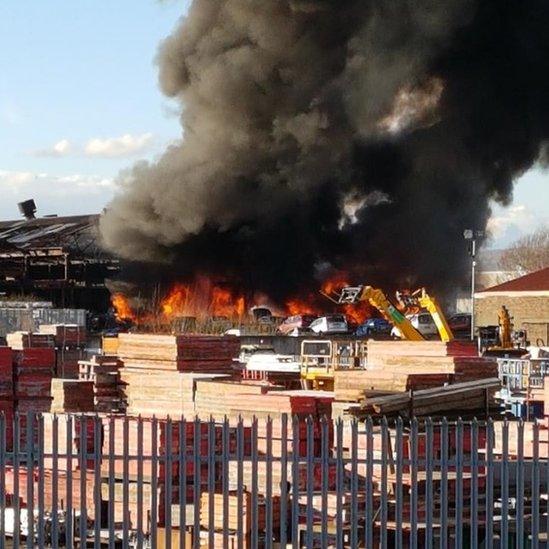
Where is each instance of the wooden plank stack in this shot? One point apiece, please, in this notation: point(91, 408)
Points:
point(150, 392)
point(26, 340)
point(104, 373)
point(183, 353)
point(218, 399)
point(109, 345)
point(236, 512)
point(160, 371)
point(7, 391)
point(33, 372)
point(377, 350)
point(354, 385)
point(67, 362)
point(66, 335)
point(470, 395)
point(72, 395)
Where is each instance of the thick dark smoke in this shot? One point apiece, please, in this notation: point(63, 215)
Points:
point(352, 134)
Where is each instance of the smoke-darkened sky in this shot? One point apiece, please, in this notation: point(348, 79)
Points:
point(324, 135)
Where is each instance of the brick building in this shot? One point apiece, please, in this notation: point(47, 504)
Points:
point(527, 299)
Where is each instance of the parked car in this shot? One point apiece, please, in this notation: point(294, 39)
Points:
point(293, 324)
point(330, 324)
point(422, 322)
point(460, 322)
point(374, 326)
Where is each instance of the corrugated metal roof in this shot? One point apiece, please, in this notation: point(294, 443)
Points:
point(71, 234)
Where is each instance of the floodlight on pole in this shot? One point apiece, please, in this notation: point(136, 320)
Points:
point(472, 235)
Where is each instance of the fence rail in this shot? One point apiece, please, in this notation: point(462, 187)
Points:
point(77, 480)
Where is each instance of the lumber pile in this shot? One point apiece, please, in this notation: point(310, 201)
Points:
point(33, 372)
point(182, 353)
point(7, 391)
point(459, 397)
point(377, 350)
point(218, 399)
point(26, 340)
point(104, 373)
point(354, 385)
point(72, 395)
point(65, 335)
point(109, 345)
point(150, 392)
point(161, 371)
point(236, 511)
point(67, 360)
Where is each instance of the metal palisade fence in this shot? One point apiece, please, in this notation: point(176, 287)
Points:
point(116, 481)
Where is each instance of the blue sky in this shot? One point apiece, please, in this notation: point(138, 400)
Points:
point(79, 101)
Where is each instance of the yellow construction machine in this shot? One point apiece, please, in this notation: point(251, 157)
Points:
point(507, 345)
point(320, 358)
point(411, 303)
point(425, 301)
point(376, 297)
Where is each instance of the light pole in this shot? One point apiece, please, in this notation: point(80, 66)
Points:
point(470, 234)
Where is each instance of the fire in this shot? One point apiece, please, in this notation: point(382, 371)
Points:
point(202, 299)
point(122, 308)
point(356, 313)
point(297, 307)
point(176, 302)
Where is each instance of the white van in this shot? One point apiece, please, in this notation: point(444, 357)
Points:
point(422, 322)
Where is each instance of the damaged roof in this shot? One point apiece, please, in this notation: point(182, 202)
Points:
point(78, 235)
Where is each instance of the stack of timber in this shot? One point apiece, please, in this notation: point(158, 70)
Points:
point(72, 395)
point(219, 399)
point(33, 372)
point(104, 372)
point(66, 335)
point(239, 513)
point(149, 438)
point(150, 392)
point(457, 398)
point(109, 345)
point(160, 371)
point(354, 385)
point(7, 391)
point(26, 340)
point(181, 353)
point(397, 369)
point(379, 350)
point(70, 341)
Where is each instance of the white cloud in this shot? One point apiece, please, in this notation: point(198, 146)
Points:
point(18, 186)
point(125, 145)
point(508, 224)
point(61, 148)
point(54, 194)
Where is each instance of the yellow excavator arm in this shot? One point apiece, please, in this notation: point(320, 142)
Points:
point(431, 305)
point(380, 301)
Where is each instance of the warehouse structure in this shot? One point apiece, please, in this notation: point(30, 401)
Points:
point(57, 259)
point(526, 298)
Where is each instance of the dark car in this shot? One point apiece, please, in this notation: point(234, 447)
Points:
point(374, 326)
point(460, 322)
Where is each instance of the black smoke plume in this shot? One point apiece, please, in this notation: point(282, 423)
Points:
point(323, 135)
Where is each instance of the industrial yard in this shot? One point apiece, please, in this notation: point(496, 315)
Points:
point(274, 274)
point(254, 438)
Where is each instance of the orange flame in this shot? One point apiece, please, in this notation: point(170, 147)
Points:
point(298, 307)
point(355, 312)
point(202, 300)
point(122, 308)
